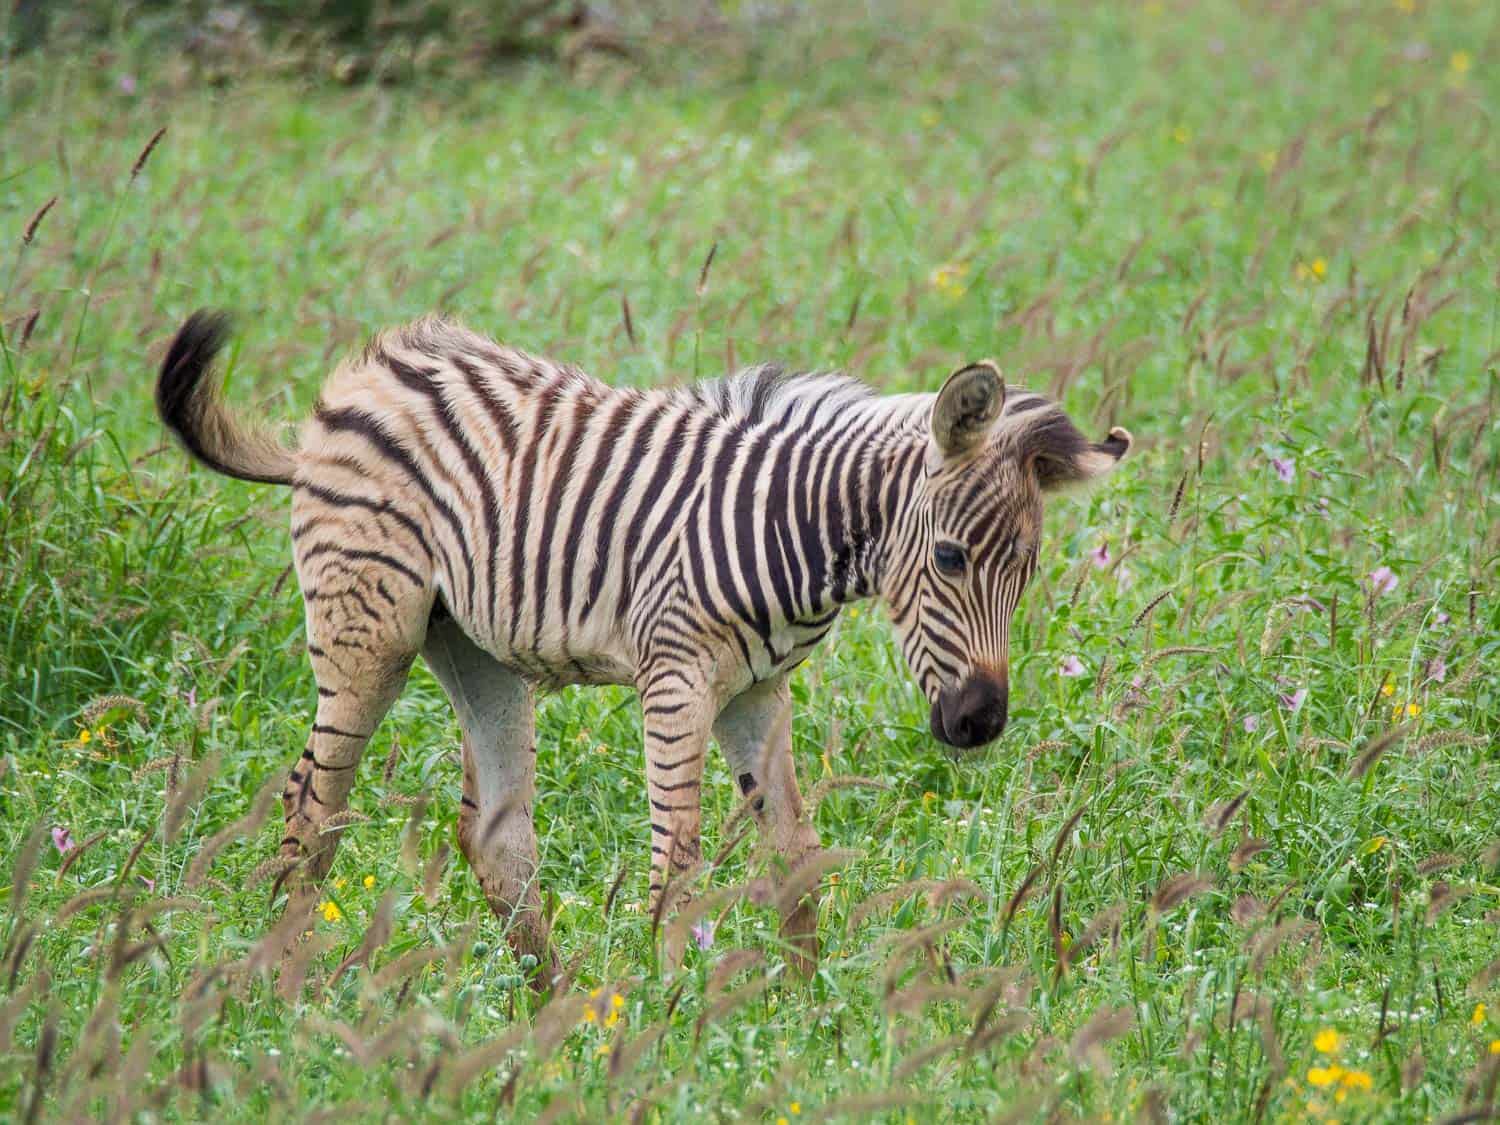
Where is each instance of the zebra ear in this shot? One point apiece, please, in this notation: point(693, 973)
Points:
point(1061, 456)
point(966, 407)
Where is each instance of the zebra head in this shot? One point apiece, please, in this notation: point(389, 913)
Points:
point(972, 537)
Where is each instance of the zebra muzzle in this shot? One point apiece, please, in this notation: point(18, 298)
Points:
point(972, 713)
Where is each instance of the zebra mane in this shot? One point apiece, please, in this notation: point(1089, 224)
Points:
point(770, 393)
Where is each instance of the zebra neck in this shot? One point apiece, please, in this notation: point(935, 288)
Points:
point(862, 484)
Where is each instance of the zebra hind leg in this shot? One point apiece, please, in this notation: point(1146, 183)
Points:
point(495, 828)
point(361, 639)
point(353, 696)
point(755, 732)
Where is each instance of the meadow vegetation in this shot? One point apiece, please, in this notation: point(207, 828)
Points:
point(1237, 855)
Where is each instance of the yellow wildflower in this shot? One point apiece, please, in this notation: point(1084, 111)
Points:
point(795, 1108)
point(1413, 710)
point(948, 279)
point(1459, 62)
point(928, 797)
point(1319, 267)
point(1407, 6)
point(369, 882)
point(1480, 1011)
point(1321, 1076)
point(1374, 845)
point(1388, 688)
point(611, 1019)
point(617, 1001)
point(1327, 1041)
point(1182, 134)
point(603, 1050)
point(339, 884)
point(84, 736)
point(1495, 1046)
point(782, 1121)
point(331, 911)
point(589, 1015)
point(1357, 1080)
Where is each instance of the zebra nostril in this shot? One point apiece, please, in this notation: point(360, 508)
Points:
point(974, 713)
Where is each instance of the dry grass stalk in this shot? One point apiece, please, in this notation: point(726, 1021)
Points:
point(98, 708)
point(140, 161)
point(1177, 889)
point(1022, 893)
point(1106, 1024)
point(1413, 1069)
point(187, 794)
point(727, 1002)
point(20, 1000)
point(246, 825)
point(1177, 650)
point(21, 942)
point(1222, 815)
point(432, 873)
point(1485, 977)
point(860, 1106)
point(1247, 851)
point(82, 901)
point(1065, 832)
point(291, 978)
point(1265, 944)
point(1441, 897)
point(36, 221)
point(376, 934)
point(1439, 861)
point(26, 860)
point(1247, 909)
point(77, 851)
point(729, 966)
point(1106, 922)
point(807, 874)
point(1373, 752)
point(1140, 618)
point(887, 898)
point(842, 781)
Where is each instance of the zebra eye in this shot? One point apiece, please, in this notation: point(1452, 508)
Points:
point(950, 559)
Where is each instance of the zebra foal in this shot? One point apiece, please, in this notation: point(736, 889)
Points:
point(522, 525)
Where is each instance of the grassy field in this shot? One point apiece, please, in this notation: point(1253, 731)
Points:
point(1237, 856)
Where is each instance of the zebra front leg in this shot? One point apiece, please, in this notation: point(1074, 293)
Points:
point(496, 832)
point(755, 732)
point(678, 715)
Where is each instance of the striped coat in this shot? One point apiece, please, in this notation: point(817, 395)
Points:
point(522, 525)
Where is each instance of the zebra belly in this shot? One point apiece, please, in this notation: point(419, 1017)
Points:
point(548, 663)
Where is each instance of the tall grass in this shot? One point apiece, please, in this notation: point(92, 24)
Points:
point(1236, 855)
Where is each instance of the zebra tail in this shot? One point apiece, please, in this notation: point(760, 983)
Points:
point(192, 408)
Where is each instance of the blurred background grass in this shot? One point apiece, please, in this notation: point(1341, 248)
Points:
point(1261, 238)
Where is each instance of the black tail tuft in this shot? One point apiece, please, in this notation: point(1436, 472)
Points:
point(191, 408)
point(188, 360)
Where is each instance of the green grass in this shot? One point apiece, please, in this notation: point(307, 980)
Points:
point(1189, 220)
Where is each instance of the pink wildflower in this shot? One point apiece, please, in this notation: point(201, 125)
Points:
point(1072, 666)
